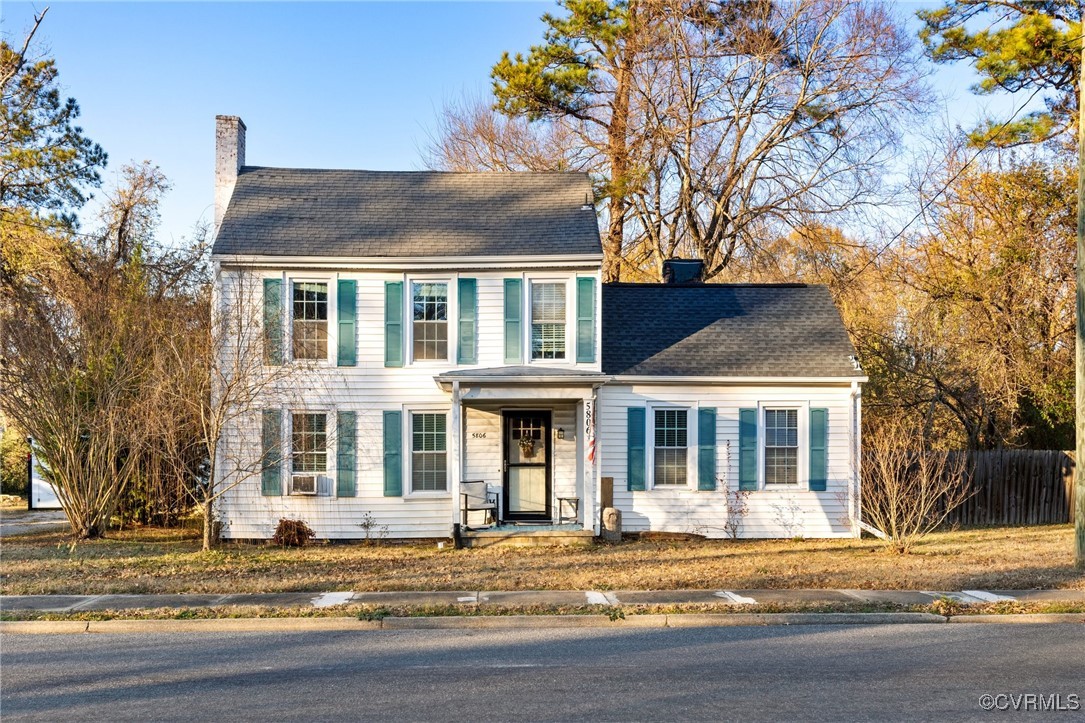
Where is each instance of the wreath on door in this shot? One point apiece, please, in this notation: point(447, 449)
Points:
point(527, 446)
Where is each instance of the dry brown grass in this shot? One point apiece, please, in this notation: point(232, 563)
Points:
point(12, 502)
point(169, 561)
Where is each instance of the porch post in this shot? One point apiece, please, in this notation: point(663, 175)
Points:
point(455, 452)
point(587, 433)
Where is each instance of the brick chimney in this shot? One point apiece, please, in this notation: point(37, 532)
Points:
point(683, 271)
point(229, 158)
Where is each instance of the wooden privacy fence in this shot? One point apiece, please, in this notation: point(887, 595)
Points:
point(1017, 487)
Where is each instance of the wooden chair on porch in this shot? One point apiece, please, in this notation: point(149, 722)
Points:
point(476, 497)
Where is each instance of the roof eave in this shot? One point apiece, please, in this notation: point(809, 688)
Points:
point(409, 262)
point(736, 380)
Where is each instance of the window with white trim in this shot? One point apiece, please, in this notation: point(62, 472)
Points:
point(781, 446)
point(548, 320)
point(309, 442)
point(309, 320)
point(429, 454)
point(429, 329)
point(671, 447)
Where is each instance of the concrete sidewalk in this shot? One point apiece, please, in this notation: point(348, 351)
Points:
point(520, 599)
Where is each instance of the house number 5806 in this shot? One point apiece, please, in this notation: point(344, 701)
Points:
point(478, 435)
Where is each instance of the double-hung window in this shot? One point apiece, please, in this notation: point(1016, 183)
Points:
point(781, 446)
point(309, 320)
point(309, 443)
point(671, 447)
point(429, 301)
point(547, 321)
point(429, 454)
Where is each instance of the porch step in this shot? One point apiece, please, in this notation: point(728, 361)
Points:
point(526, 537)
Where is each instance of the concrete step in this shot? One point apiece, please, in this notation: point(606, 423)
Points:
point(526, 537)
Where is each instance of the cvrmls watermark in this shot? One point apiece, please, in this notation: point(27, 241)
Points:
point(1030, 701)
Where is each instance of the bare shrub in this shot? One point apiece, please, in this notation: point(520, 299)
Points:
point(737, 509)
point(908, 491)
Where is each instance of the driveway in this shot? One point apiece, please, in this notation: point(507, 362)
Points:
point(25, 522)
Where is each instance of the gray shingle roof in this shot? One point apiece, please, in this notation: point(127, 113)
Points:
point(786, 330)
point(306, 212)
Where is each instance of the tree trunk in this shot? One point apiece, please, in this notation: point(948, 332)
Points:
point(618, 155)
point(210, 530)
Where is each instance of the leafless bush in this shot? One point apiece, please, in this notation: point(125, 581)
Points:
point(908, 491)
point(737, 509)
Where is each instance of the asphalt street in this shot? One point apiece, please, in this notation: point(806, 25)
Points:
point(910, 672)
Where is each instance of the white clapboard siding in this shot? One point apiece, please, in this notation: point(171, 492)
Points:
point(369, 389)
point(771, 513)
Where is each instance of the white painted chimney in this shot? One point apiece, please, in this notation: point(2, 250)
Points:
point(229, 158)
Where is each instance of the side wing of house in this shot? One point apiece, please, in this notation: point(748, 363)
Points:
point(732, 460)
point(732, 410)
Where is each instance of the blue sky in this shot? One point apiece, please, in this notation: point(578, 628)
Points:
point(337, 85)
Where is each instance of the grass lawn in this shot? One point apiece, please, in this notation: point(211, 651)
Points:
point(169, 561)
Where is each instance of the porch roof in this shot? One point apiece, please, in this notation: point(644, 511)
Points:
point(521, 375)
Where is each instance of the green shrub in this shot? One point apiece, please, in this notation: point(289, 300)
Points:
point(13, 451)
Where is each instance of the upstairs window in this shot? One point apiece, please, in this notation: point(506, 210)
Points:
point(781, 447)
point(671, 447)
point(309, 323)
point(430, 320)
point(548, 321)
point(309, 443)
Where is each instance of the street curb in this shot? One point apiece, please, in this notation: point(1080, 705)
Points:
point(43, 627)
point(457, 622)
point(1020, 618)
point(705, 620)
point(515, 622)
point(209, 625)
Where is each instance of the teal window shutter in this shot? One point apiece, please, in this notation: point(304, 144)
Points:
point(819, 449)
point(393, 454)
point(273, 322)
point(393, 323)
point(271, 462)
point(635, 458)
point(467, 298)
point(346, 454)
point(585, 320)
point(513, 320)
point(347, 305)
point(706, 448)
point(747, 449)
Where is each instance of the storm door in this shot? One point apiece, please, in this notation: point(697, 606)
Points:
point(527, 466)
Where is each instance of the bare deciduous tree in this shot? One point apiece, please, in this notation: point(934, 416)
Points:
point(472, 136)
point(75, 352)
point(710, 126)
point(769, 118)
point(216, 376)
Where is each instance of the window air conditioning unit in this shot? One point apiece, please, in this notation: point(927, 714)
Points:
point(303, 484)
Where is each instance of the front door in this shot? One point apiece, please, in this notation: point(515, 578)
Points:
point(527, 466)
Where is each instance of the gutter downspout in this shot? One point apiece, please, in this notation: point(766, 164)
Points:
point(855, 489)
point(855, 483)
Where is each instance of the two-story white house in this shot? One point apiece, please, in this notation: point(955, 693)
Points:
point(452, 327)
